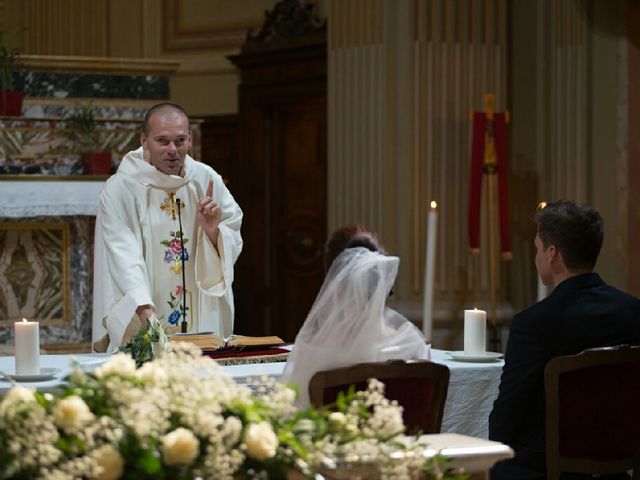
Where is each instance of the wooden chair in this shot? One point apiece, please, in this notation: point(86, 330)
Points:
point(419, 386)
point(593, 412)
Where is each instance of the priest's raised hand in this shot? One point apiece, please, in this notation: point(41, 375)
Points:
point(209, 214)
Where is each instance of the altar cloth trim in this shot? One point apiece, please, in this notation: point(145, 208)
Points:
point(36, 198)
point(269, 355)
point(255, 359)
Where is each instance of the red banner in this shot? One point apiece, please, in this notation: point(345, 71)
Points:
point(475, 180)
point(497, 130)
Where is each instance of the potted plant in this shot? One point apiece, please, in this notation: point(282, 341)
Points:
point(86, 139)
point(10, 99)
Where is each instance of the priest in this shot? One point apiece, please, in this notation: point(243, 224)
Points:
point(166, 241)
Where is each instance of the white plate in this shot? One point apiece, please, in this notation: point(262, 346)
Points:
point(92, 364)
point(478, 357)
point(45, 374)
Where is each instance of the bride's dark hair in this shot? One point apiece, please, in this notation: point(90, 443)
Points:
point(350, 236)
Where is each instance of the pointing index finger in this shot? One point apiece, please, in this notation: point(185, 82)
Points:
point(210, 189)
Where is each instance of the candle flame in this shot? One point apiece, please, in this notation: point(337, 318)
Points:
point(542, 205)
point(434, 205)
point(24, 319)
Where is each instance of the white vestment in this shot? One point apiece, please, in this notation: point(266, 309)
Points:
point(349, 322)
point(137, 255)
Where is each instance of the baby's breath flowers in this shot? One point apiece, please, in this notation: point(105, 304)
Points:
point(180, 416)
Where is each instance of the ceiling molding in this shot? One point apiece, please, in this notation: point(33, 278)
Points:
point(178, 35)
point(103, 65)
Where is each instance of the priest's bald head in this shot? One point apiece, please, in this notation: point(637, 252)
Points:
point(166, 137)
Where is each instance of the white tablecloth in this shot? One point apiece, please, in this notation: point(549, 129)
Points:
point(64, 363)
point(472, 389)
point(472, 386)
point(20, 199)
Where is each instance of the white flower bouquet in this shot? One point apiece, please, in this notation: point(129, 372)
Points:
point(180, 417)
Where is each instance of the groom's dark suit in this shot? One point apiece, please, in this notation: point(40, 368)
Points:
point(581, 312)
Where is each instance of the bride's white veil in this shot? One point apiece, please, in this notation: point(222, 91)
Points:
point(349, 322)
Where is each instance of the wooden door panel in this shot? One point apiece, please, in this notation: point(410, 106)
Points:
point(299, 207)
point(280, 182)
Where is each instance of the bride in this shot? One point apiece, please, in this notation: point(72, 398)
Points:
point(349, 322)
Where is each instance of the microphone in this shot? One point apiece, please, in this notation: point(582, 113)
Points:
point(183, 324)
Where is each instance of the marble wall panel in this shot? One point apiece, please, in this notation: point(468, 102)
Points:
point(45, 274)
point(73, 85)
point(41, 145)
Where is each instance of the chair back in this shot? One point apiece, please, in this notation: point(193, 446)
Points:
point(593, 412)
point(419, 386)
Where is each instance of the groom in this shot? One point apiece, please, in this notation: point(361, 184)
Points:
point(581, 312)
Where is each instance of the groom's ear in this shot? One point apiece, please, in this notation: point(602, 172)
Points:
point(553, 254)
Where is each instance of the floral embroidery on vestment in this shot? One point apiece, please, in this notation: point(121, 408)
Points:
point(176, 252)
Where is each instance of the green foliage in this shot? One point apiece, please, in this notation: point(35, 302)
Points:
point(269, 469)
point(71, 446)
point(140, 346)
point(8, 63)
point(82, 129)
point(141, 462)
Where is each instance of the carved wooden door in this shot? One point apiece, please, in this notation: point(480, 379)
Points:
point(280, 183)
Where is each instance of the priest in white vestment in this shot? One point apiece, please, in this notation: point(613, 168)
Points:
point(138, 257)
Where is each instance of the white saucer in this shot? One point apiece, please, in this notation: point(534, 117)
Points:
point(45, 374)
point(92, 364)
point(477, 357)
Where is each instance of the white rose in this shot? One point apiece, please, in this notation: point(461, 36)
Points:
point(151, 374)
point(109, 461)
point(260, 440)
point(71, 412)
point(337, 419)
point(120, 363)
point(180, 447)
point(19, 394)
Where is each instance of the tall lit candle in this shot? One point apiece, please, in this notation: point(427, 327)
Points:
point(429, 271)
point(27, 347)
point(542, 289)
point(475, 332)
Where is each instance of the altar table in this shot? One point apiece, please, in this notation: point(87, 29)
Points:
point(472, 386)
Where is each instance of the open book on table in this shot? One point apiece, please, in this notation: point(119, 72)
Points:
point(208, 341)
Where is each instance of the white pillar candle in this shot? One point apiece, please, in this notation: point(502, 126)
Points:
point(429, 272)
point(475, 332)
point(27, 347)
